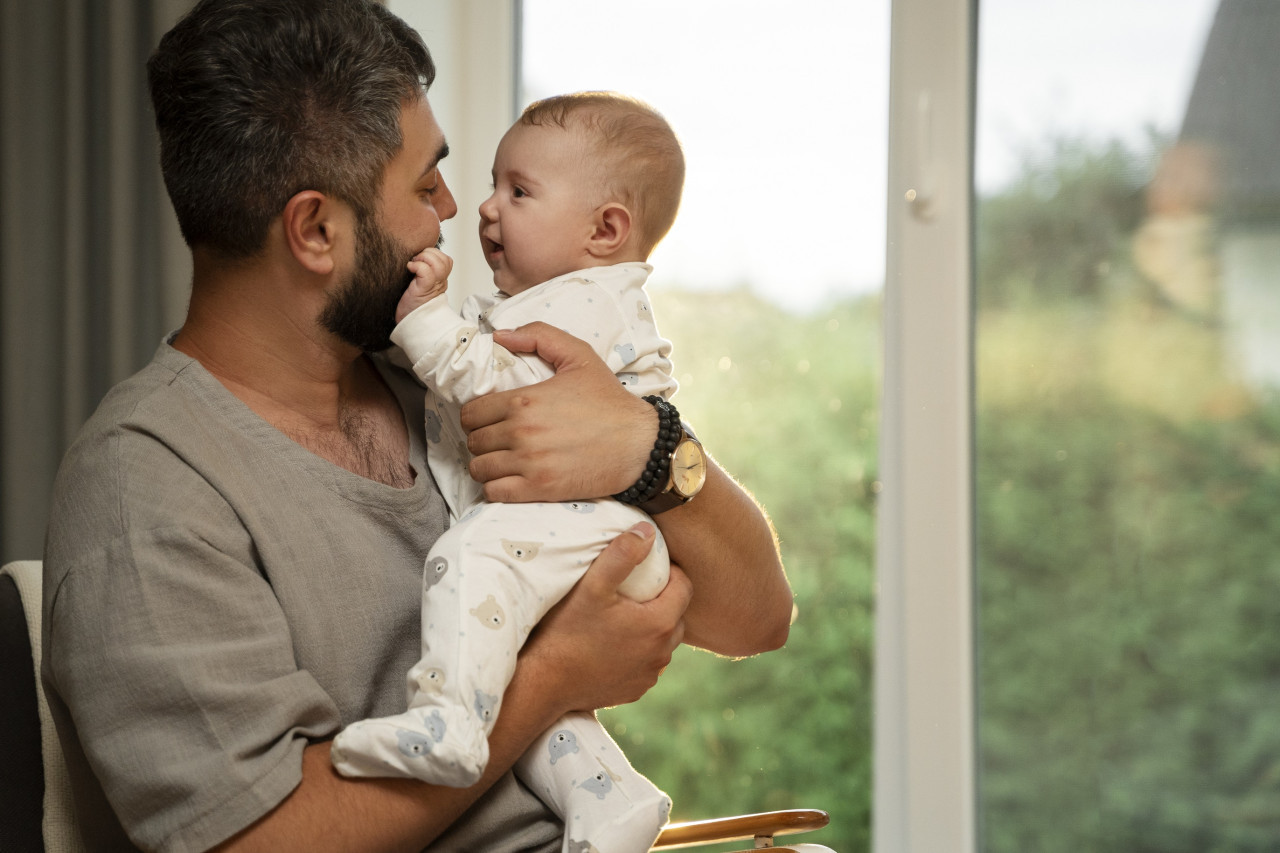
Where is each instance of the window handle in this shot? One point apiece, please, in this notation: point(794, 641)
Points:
point(921, 198)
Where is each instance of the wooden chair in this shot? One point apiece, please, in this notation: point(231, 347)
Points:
point(40, 814)
point(761, 828)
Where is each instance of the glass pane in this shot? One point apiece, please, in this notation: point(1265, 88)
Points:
point(1128, 426)
point(769, 286)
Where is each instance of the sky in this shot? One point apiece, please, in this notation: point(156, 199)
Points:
point(1098, 68)
point(782, 108)
point(782, 112)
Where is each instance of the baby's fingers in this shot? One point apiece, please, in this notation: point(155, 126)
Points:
point(431, 263)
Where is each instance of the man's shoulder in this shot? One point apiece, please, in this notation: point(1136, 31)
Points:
point(133, 445)
point(155, 395)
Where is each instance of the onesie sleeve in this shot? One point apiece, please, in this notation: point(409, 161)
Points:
point(459, 361)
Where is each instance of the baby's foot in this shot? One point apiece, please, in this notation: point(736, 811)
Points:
point(436, 745)
point(633, 830)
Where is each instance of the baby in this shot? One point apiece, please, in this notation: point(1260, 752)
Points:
point(585, 186)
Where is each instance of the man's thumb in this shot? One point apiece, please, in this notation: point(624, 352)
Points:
point(554, 346)
point(616, 562)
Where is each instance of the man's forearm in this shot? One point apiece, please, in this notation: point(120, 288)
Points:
point(329, 812)
point(741, 599)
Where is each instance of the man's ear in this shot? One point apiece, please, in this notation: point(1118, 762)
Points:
point(611, 228)
point(312, 223)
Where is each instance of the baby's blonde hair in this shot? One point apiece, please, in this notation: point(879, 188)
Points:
point(640, 160)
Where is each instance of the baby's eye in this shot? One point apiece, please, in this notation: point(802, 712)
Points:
point(517, 192)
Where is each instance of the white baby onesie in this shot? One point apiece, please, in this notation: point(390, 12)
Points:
point(501, 567)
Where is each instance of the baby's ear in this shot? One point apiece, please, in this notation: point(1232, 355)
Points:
point(611, 229)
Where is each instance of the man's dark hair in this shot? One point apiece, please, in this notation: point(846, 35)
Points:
point(258, 100)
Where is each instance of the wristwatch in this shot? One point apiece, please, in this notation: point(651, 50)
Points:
point(677, 467)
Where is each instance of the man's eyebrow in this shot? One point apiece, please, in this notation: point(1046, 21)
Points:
point(442, 153)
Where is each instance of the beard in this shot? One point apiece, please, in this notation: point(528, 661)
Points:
point(362, 311)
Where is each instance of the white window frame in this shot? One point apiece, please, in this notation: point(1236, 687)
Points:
point(925, 789)
point(924, 742)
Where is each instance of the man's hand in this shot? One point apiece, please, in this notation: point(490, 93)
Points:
point(577, 435)
point(604, 649)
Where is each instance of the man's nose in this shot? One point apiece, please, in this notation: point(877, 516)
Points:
point(446, 205)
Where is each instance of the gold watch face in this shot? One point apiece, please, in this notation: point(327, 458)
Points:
point(688, 468)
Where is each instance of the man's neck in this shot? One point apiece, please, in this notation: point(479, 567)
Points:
point(274, 356)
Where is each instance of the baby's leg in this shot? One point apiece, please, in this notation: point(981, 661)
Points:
point(582, 775)
point(435, 740)
point(488, 581)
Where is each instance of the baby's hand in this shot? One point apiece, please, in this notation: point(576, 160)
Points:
point(430, 268)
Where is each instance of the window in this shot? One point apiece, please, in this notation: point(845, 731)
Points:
point(1127, 454)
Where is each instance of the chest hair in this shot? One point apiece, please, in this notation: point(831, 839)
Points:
point(371, 443)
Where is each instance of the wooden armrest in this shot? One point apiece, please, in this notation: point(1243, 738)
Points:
point(754, 826)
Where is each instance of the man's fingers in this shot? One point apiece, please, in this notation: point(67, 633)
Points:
point(505, 490)
point(619, 557)
point(555, 346)
point(676, 594)
point(487, 466)
point(486, 411)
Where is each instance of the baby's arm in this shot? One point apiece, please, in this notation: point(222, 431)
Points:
point(459, 362)
point(430, 268)
point(451, 356)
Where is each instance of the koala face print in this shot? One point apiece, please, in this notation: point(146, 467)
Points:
point(599, 784)
point(522, 551)
point(431, 681)
point(434, 725)
point(502, 359)
point(490, 613)
point(435, 570)
point(561, 743)
point(432, 425)
point(413, 744)
point(485, 705)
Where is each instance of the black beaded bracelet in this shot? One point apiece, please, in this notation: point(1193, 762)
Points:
point(655, 476)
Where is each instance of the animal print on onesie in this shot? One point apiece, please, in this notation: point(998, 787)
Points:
point(500, 567)
point(589, 782)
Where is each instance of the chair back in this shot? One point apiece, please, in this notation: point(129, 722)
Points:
point(34, 785)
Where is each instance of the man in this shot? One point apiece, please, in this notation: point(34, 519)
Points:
point(234, 558)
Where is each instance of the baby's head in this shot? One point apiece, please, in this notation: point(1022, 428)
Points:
point(579, 181)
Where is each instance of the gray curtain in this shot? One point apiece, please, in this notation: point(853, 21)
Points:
point(92, 269)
